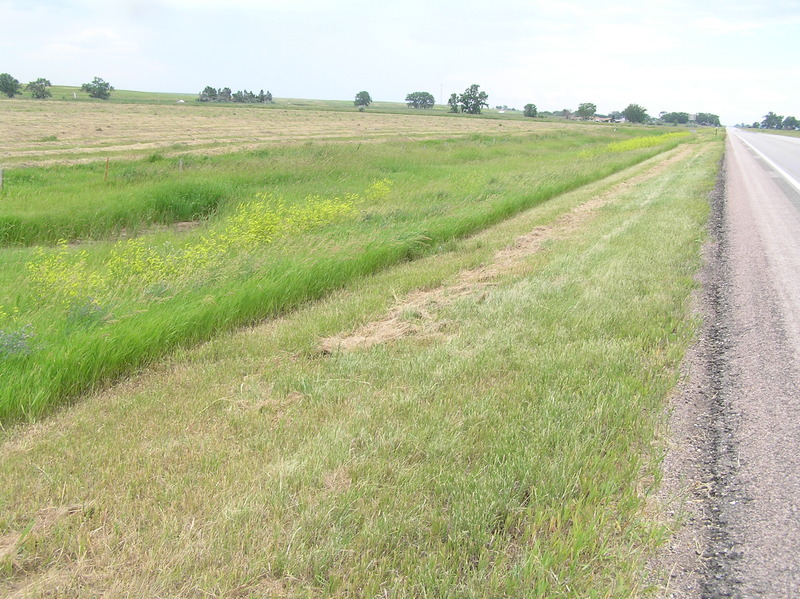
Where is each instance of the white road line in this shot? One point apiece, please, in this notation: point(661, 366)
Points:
point(789, 179)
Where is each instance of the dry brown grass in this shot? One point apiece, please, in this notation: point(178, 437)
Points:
point(84, 131)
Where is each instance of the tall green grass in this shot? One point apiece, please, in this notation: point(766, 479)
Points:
point(83, 201)
point(507, 450)
point(55, 350)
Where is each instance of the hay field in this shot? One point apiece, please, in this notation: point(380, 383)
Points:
point(52, 132)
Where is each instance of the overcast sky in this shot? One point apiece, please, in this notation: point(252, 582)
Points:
point(738, 59)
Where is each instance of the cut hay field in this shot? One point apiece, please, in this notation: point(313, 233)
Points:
point(48, 132)
point(436, 364)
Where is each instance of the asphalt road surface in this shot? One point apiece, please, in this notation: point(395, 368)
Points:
point(755, 549)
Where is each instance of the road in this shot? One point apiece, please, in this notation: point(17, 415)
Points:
point(754, 509)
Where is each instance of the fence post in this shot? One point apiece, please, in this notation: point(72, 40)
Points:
point(1, 179)
point(180, 165)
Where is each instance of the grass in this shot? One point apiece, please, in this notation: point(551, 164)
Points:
point(44, 205)
point(503, 445)
point(80, 316)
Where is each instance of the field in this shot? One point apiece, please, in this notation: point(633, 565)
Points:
point(39, 133)
point(459, 340)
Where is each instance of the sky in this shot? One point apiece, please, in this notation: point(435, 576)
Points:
point(737, 59)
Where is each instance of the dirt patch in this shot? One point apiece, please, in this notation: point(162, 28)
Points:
point(417, 314)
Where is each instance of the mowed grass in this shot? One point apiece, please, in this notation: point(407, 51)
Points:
point(75, 317)
point(47, 132)
point(503, 446)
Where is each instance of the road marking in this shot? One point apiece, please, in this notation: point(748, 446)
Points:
point(789, 179)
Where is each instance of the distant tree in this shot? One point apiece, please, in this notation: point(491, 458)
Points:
point(265, 98)
point(453, 102)
point(566, 113)
point(756, 125)
point(706, 118)
point(39, 89)
point(530, 110)
point(8, 85)
point(791, 123)
point(635, 114)
point(676, 118)
point(225, 95)
point(362, 99)
point(473, 99)
point(420, 100)
point(209, 94)
point(772, 121)
point(586, 110)
point(98, 89)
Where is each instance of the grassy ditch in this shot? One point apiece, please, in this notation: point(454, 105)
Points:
point(77, 316)
point(500, 444)
point(42, 205)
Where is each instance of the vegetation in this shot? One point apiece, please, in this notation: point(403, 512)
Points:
point(8, 85)
point(586, 110)
point(469, 102)
point(706, 118)
point(774, 121)
point(98, 88)
point(635, 114)
point(676, 118)
point(92, 312)
point(505, 445)
point(210, 94)
point(530, 110)
point(40, 88)
point(420, 100)
point(473, 99)
point(363, 99)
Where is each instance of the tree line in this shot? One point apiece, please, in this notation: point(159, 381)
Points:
point(224, 94)
point(39, 89)
point(774, 121)
point(471, 101)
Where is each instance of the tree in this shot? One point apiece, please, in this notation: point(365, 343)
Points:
point(420, 100)
point(635, 114)
point(362, 99)
point(472, 100)
point(98, 89)
point(706, 118)
point(209, 94)
point(676, 118)
point(454, 104)
point(772, 121)
point(39, 89)
point(586, 110)
point(530, 110)
point(791, 123)
point(8, 85)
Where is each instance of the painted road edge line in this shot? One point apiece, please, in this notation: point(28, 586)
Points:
point(789, 179)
